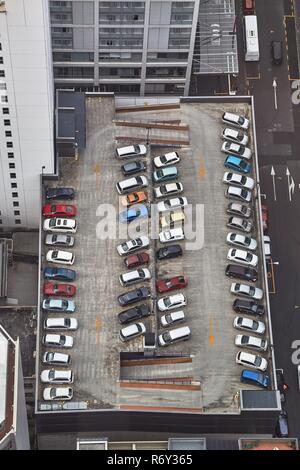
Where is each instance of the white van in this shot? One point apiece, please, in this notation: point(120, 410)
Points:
point(131, 184)
point(131, 151)
point(132, 277)
point(60, 225)
point(172, 336)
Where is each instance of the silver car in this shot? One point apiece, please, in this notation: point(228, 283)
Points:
point(247, 324)
point(251, 342)
point(59, 239)
point(240, 224)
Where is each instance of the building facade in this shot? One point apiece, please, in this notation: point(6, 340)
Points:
point(26, 109)
point(138, 47)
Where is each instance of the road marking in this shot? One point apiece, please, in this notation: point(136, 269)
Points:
point(97, 326)
point(254, 78)
point(211, 336)
point(272, 275)
point(202, 170)
point(97, 173)
point(273, 178)
point(291, 184)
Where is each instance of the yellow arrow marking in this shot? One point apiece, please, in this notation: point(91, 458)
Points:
point(97, 325)
point(202, 170)
point(211, 336)
point(97, 173)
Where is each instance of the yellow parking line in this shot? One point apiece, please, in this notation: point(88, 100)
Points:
point(97, 173)
point(202, 170)
point(272, 275)
point(211, 336)
point(97, 326)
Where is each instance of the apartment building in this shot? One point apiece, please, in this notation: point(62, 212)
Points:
point(26, 110)
point(137, 47)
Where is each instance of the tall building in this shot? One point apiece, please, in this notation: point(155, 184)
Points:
point(26, 109)
point(13, 418)
point(138, 47)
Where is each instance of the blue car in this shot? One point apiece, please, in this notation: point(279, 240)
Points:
point(253, 377)
point(237, 164)
point(133, 213)
point(165, 174)
point(59, 274)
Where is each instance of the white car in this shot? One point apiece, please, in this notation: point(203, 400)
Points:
point(168, 159)
point(267, 245)
point(235, 135)
point(131, 246)
point(132, 331)
point(247, 291)
point(236, 149)
point(242, 257)
point(60, 257)
point(241, 210)
point(239, 224)
point(57, 376)
point(168, 189)
point(238, 180)
point(247, 324)
point(171, 235)
point(240, 194)
point(241, 241)
point(60, 225)
point(170, 204)
point(171, 301)
point(251, 360)
point(59, 239)
point(173, 317)
point(251, 342)
point(131, 151)
point(56, 359)
point(58, 393)
point(236, 120)
point(62, 323)
point(58, 341)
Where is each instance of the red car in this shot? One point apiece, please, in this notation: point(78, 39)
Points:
point(166, 285)
point(59, 210)
point(265, 216)
point(136, 260)
point(65, 290)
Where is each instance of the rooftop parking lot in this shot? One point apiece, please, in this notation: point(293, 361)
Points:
point(209, 314)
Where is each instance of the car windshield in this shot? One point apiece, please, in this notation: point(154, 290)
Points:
point(51, 374)
point(249, 257)
point(244, 340)
point(160, 173)
point(167, 302)
point(168, 318)
point(163, 189)
point(257, 361)
point(164, 159)
point(255, 325)
point(247, 241)
point(243, 179)
point(166, 337)
point(55, 254)
point(240, 136)
point(52, 223)
point(136, 148)
point(62, 340)
point(241, 120)
point(53, 393)
point(252, 290)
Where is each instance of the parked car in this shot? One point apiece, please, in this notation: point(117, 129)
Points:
point(64, 290)
point(169, 252)
point(238, 180)
point(248, 7)
point(60, 274)
point(133, 296)
point(251, 342)
point(59, 210)
point(131, 246)
point(238, 223)
point(173, 317)
point(59, 193)
point(239, 194)
point(135, 212)
point(59, 239)
point(281, 385)
point(165, 174)
point(236, 149)
point(241, 272)
point(168, 189)
point(235, 136)
point(251, 360)
point(60, 257)
point(249, 307)
point(60, 225)
point(276, 52)
point(134, 261)
point(57, 341)
point(246, 291)
point(240, 210)
point(58, 393)
point(242, 257)
point(168, 159)
point(236, 120)
point(131, 168)
point(134, 314)
point(130, 151)
point(167, 285)
point(172, 219)
point(171, 301)
point(247, 324)
point(241, 241)
point(57, 376)
point(131, 184)
point(173, 336)
point(265, 217)
point(135, 276)
point(253, 377)
point(132, 331)
point(134, 198)
point(61, 323)
point(171, 235)
point(171, 204)
point(59, 305)
point(56, 359)
point(267, 245)
point(238, 164)
point(282, 426)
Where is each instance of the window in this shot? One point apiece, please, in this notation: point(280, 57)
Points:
point(10, 154)
point(15, 195)
point(1, 60)
point(2, 86)
point(17, 221)
point(0, 46)
point(12, 165)
point(16, 212)
point(2, 73)
point(0, 221)
point(15, 203)
point(8, 134)
point(7, 122)
point(13, 175)
point(5, 110)
point(4, 99)
point(13, 185)
point(9, 145)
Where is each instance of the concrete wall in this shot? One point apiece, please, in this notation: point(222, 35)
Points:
point(20, 414)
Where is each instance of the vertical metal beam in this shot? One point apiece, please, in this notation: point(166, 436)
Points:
point(145, 47)
point(192, 45)
point(96, 42)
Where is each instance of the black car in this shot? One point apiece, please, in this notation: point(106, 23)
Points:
point(134, 296)
point(281, 385)
point(133, 167)
point(60, 193)
point(241, 272)
point(134, 314)
point(59, 274)
point(249, 307)
point(282, 426)
point(168, 252)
